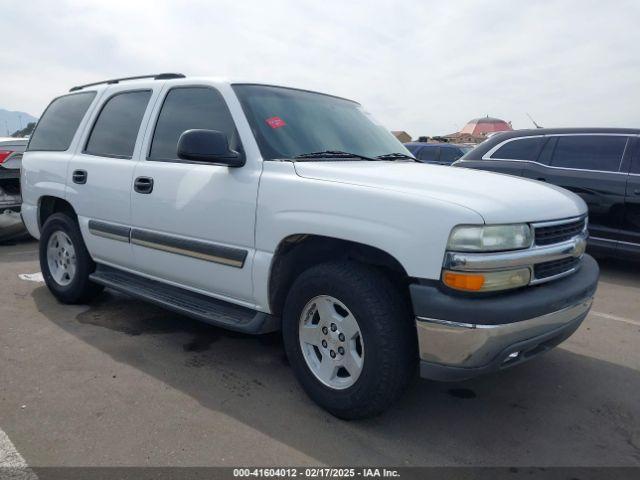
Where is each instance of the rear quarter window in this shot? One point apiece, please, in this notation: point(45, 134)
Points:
point(519, 149)
point(59, 122)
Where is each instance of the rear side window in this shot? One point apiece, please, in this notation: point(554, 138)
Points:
point(59, 122)
point(187, 108)
point(589, 152)
point(635, 167)
point(520, 149)
point(547, 151)
point(116, 129)
point(428, 154)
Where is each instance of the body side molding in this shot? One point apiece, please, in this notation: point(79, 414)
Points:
point(109, 230)
point(212, 252)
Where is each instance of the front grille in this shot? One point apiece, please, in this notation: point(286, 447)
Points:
point(555, 267)
point(558, 233)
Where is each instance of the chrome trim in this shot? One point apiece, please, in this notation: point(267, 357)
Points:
point(615, 241)
point(202, 250)
point(604, 239)
point(473, 345)
point(517, 258)
point(552, 223)
point(487, 156)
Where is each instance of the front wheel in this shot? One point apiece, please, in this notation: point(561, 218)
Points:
point(65, 261)
point(349, 338)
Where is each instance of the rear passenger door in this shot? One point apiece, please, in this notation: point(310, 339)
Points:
point(100, 174)
point(195, 226)
point(588, 165)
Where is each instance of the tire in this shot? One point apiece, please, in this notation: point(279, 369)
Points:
point(386, 332)
point(75, 286)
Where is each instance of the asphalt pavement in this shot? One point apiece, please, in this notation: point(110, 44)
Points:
point(121, 382)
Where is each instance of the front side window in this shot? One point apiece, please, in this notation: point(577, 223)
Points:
point(116, 129)
point(288, 122)
point(519, 149)
point(187, 108)
point(59, 122)
point(589, 152)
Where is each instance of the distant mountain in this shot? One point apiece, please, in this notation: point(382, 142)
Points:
point(13, 121)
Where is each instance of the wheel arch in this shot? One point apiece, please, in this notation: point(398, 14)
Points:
point(298, 252)
point(49, 204)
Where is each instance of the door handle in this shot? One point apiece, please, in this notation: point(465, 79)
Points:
point(79, 177)
point(541, 179)
point(636, 191)
point(143, 185)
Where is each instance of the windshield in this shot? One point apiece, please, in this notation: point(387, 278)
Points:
point(288, 122)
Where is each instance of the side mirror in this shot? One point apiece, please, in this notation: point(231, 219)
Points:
point(208, 146)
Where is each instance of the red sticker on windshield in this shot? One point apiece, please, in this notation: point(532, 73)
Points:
point(275, 122)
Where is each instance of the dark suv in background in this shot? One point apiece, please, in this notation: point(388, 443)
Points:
point(602, 165)
point(437, 153)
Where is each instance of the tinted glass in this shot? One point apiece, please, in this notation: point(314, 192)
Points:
point(547, 151)
point(188, 108)
point(589, 152)
point(635, 166)
point(450, 155)
point(412, 148)
point(428, 154)
point(288, 122)
point(59, 122)
point(114, 133)
point(520, 149)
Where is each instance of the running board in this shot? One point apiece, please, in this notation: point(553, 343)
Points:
point(201, 307)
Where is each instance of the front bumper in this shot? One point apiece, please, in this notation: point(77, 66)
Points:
point(461, 337)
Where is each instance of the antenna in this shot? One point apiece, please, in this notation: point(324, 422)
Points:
point(534, 122)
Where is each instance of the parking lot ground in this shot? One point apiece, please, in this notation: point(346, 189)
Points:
point(121, 382)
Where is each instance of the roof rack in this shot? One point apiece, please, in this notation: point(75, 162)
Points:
point(156, 76)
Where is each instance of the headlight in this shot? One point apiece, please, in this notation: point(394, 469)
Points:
point(489, 238)
point(486, 281)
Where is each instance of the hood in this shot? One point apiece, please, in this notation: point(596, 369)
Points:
point(498, 198)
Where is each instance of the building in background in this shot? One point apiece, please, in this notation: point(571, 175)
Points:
point(477, 130)
point(403, 136)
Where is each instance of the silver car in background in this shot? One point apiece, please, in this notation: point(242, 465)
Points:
point(11, 226)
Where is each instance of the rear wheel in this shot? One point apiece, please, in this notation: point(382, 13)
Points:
point(349, 338)
point(65, 261)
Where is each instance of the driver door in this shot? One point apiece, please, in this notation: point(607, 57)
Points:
point(192, 222)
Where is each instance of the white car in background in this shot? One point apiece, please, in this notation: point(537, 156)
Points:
point(11, 226)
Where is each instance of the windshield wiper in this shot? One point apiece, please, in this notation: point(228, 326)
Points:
point(394, 156)
point(332, 154)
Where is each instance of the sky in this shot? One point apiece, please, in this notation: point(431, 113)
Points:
point(426, 67)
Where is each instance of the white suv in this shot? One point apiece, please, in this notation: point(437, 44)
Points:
point(257, 208)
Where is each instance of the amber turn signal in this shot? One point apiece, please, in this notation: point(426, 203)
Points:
point(463, 281)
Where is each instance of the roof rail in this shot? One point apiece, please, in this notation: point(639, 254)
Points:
point(156, 76)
